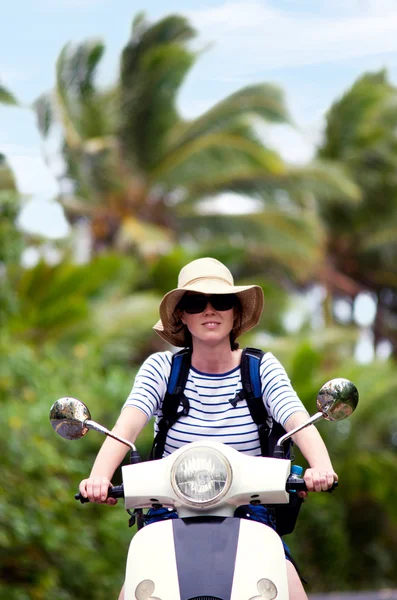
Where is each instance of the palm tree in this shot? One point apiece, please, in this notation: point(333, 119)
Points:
point(11, 241)
point(140, 173)
point(361, 246)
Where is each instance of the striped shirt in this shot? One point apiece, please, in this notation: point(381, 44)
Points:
point(211, 415)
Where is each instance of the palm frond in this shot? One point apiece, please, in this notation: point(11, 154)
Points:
point(263, 101)
point(172, 29)
point(209, 153)
point(75, 69)
point(153, 66)
point(148, 238)
point(44, 110)
point(348, 117)
point(53, 300)
point(293, 241)
point(7, 97)
point(326, 179)
point(7, 178)
point(379, 239)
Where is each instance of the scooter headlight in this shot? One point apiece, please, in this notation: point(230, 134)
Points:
point(201, 476)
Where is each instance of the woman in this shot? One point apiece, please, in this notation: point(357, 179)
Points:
point(207, 312)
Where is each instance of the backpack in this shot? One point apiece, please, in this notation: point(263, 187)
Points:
point(175, 403)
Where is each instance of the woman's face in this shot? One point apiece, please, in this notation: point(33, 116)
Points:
point(209, 326)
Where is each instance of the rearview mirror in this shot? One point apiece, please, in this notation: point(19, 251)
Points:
point(68, 418)
point(71, 419)
point(337, 399)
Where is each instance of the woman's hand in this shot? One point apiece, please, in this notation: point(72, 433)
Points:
point(319, 480)
point(96, 490)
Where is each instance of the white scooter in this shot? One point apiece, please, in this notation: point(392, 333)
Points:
point(207, 553)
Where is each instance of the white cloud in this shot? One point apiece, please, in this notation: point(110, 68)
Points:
point(32, 175)
point(44, 218)
point(295, 146)
point(255, 36)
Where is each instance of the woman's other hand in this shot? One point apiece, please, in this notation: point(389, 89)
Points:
point(319, 480)
point(96, 490)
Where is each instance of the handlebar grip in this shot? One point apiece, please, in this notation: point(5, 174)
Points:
point(116, 491)
point(334, 486)
point(299, 485)
point(81, 498)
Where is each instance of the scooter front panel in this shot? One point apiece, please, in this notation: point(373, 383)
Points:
point(260, 555)
point(151, 558)
point(194, 560)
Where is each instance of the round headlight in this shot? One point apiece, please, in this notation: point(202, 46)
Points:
point(201, 476)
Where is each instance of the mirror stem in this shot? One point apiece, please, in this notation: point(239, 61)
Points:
point(93, 425)
point(317, 417)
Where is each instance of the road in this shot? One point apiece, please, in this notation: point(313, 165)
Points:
point(381, 595)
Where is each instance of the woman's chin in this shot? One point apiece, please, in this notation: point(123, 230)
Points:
point(212, 337)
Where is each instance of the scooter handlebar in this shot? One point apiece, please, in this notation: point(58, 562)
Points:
point(116, 491)
point(296, 484)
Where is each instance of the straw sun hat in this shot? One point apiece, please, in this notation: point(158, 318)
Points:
point(208, 276)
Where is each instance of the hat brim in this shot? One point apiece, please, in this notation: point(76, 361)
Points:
point(250, 296)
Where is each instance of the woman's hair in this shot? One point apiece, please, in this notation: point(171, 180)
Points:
point(177, 326)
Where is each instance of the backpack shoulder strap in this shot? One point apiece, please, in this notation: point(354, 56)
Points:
point(180, 366)
point(250, 372)
point(173, 398)
point(252, 392)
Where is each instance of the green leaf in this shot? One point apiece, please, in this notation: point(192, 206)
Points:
point(43, 107)
point(6, 97)
point(153, 67)
point(263, 101)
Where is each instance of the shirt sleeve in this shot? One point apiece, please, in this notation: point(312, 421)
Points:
point(280, 398)
point(150, 384)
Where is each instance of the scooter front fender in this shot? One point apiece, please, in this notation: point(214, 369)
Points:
point(219, 559)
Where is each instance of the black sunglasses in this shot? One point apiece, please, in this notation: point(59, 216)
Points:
point(197, 303)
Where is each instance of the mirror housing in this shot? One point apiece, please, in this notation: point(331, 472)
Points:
point(68, 418)
point(337, 399)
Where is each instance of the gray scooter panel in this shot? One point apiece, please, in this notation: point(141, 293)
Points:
point(206, 555)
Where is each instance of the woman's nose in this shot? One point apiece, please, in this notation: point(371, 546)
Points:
point(209, 307)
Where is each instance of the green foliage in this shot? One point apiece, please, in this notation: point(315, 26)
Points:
point(53, 300)
point(7, 179)
point(348, 539)
point(51, 546)
point(6, 97)
point(142, 176)
point(361, 239)
point(11, 240)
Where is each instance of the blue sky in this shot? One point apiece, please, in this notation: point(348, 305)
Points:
point(314, 50)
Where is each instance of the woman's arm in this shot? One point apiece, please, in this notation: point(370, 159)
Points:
point(320, 475)
point(129, 425)
point(149, 388)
